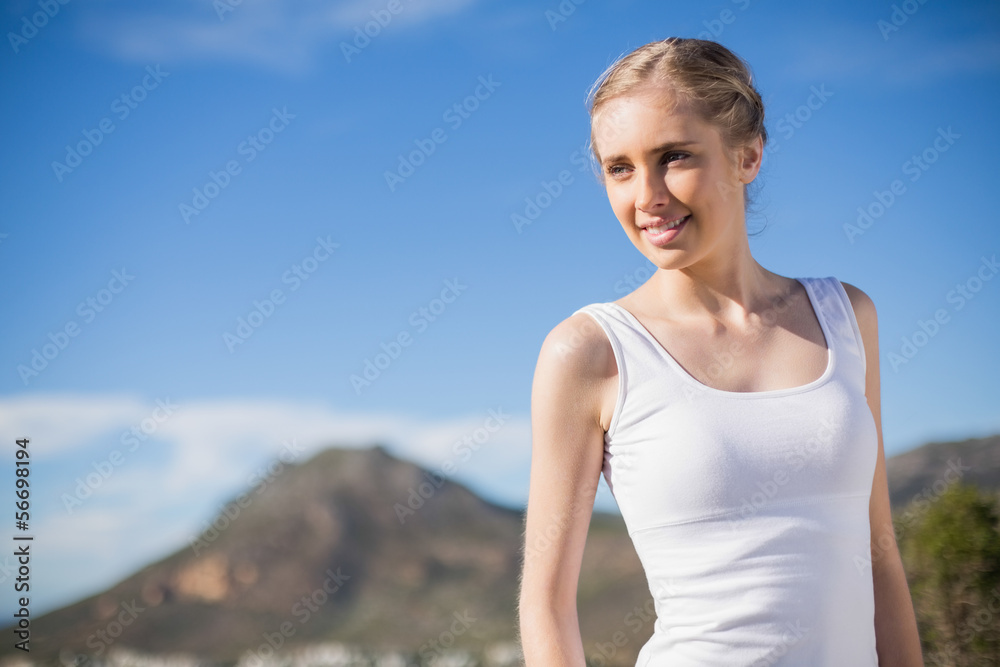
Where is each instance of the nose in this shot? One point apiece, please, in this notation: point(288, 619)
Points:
point(651, 190)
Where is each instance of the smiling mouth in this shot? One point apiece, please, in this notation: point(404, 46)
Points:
point(665, 226)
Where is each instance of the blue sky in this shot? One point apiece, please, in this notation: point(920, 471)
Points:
point(201, 243)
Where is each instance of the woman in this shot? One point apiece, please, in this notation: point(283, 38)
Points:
point(734, 412)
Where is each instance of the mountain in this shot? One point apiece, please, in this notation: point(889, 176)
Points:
point(358, 547)
point(921, 473)
point(353, 545)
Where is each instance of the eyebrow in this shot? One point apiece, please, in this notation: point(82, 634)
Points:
point(662, 148)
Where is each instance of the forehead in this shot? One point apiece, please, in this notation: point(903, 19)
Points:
point(650, 117)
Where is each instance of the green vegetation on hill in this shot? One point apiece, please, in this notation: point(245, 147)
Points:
point(951, 552)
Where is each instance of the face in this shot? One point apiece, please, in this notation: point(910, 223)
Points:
point(673, 184)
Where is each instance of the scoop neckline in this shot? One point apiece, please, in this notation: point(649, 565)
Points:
point(698, 384)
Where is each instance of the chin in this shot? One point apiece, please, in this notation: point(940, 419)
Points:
point(663, 259)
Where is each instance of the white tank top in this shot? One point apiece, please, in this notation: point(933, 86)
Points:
point(748, 510)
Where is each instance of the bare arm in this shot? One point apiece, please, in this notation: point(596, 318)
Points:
point(896, 637)
point(567, 452)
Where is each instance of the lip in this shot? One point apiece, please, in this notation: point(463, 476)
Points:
point(663, 238)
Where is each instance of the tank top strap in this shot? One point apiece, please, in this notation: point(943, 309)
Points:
point(603, 315)
point(834, 307)
point(640, 359)
point(635, 348)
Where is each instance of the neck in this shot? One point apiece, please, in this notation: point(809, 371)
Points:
point(728, 284)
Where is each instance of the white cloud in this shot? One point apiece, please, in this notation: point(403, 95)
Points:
point(60, 422)
point(286, 36)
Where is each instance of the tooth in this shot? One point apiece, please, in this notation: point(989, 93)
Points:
point(666, 225)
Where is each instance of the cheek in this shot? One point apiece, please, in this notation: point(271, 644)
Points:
point(686, 186)
point(701, 191)
point(622, 203)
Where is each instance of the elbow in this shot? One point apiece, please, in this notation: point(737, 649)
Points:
point(535, 610)
point(543, 619)
point(550, 635)
point(540, 604)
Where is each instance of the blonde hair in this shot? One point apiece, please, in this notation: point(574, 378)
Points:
point(715, 81)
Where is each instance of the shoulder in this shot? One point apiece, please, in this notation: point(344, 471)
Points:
point(864, 308)
point(575, 376)
point(577, 348)
point(867, 319)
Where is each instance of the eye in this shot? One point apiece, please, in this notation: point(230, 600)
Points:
point(673, 157)
point(616, 170)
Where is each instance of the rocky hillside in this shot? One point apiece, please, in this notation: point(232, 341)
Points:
point(358, 547)
point(354, 546)
point(920, 473)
